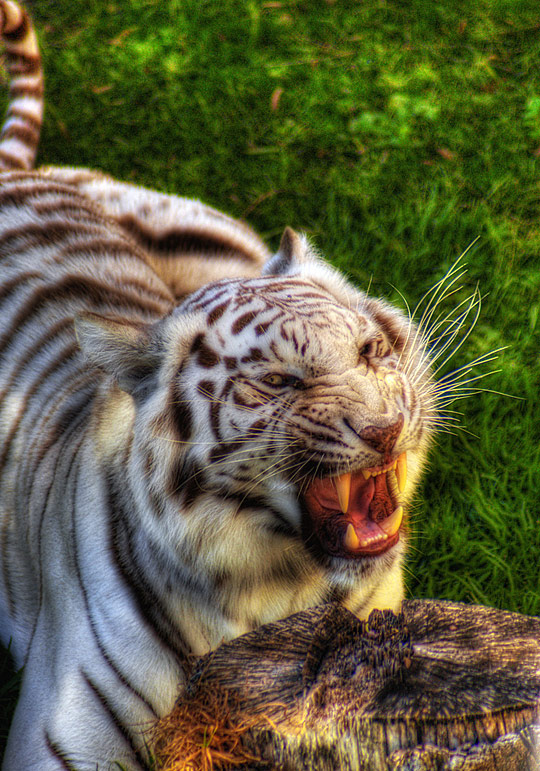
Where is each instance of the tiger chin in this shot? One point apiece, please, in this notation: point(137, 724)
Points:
point(196, 438)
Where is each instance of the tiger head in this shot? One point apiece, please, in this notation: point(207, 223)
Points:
point(292, 396)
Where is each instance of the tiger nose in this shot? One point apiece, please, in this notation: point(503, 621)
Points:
point(383, 439)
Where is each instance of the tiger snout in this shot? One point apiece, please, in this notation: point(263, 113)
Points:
point(383, 438)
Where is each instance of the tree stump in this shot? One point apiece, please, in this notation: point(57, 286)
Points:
point(440, 686)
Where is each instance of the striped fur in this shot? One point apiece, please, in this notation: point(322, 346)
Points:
point(170, 397)
point(20, 133)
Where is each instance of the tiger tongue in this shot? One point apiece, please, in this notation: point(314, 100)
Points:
point(352, 516)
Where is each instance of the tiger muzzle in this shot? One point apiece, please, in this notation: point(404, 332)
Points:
point(359, 513)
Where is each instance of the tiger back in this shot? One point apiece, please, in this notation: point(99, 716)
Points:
point(196, 438)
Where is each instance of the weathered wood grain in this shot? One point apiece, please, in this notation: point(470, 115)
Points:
point(441, 686)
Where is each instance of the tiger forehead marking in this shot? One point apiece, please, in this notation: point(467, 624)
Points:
point(296, 316)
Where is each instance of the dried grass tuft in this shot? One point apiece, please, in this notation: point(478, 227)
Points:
point(204, 733)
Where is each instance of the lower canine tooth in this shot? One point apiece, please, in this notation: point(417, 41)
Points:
point(391, 524)
point(401, 471)
point(351, 539)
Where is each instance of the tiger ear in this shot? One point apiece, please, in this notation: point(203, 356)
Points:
point(296, 257)
point(294, 250)
point(125, 349)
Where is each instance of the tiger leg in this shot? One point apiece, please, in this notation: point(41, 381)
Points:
point(71, 713)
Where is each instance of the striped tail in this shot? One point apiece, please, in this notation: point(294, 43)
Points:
point(19, 137)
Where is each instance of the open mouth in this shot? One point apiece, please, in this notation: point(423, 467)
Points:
point(359, 513)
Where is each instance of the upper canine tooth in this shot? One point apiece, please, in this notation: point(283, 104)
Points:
point(366, 474)
point(391, 524)
point(343, 488)
point(401, 471)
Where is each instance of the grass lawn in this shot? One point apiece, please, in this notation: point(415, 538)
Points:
point(395, 134)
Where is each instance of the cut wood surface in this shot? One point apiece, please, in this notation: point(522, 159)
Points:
point(441, 686)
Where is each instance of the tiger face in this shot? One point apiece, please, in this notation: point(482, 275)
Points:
point(303, 402)
point(292, 401)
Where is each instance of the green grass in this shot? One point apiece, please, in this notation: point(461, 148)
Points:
point(403, 131)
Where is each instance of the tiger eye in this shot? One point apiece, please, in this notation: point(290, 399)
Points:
point(274, 379)
point(365, 350)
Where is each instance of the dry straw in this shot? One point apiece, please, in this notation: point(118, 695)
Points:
point(205, 732)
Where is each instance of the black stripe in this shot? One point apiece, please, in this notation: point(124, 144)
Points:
point(12, 160)
point(145, 598)
point(101, 647)
point(247, 501)
point(366, 601)
point(112, 246)
point(85, 210)
point(179, 575)
point(240, 399)
point(179, 476)
point(320, 436)
point(52, 435)
point(243, 321)
point(183, 241)
point(61, 360)
point(261, 328)
point(337, 594)
point(26, 134)
point(27, 117)
point(255, 355)
point(40, 540)
point(206, 356)
point(39, 234)
point(217, 312)
point(17, 283)
point(25, 357)
point(256, 428)
point(192, 488)
point(17, 34)
point(20, 189)
point(316, 296)
point(22, 63)
point(88, 290)
point(206, 388)
point(273, 348)
point(181, 413)
point(215, 407)
point(198, 301)
point(214, 413)
point(220, 451)
point(122, 729)
point(230, 584)
point(58, 753)
point(23, 89)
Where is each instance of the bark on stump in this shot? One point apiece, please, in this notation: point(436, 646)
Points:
point(440, 686)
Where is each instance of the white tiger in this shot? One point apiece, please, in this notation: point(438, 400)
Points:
point(196, 438)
